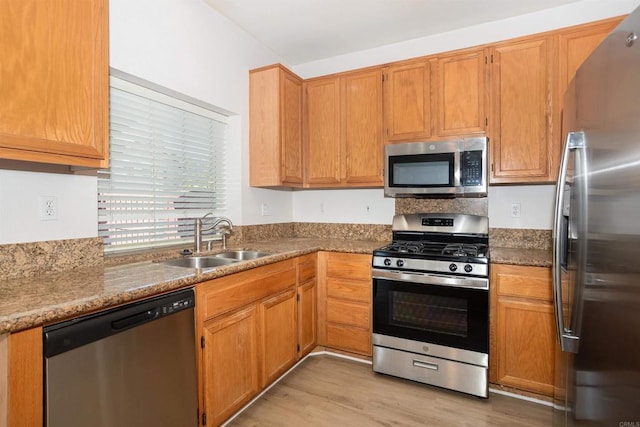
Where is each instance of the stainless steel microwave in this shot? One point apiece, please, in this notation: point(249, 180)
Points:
point(456, 168)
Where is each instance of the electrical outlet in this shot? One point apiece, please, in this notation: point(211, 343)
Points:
point(266, 210)
point(515, 210)
point(48, 208)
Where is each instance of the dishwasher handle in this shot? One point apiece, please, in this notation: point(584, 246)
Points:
point(136, 319)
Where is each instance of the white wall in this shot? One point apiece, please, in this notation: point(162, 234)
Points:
point(536, 201)
point(20, 206)
point(343, 206)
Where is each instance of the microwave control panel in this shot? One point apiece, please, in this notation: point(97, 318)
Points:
point(471, 168)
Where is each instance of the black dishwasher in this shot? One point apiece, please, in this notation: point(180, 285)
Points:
point(133, 365)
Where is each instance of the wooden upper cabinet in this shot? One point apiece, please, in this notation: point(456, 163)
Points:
point(54, 82)
point(522, 146)
point(343, 130)
point(362, 128)
point(407, 101)
point(460, 88)
point(322, 132)
point(574, 46)
point(275, 127)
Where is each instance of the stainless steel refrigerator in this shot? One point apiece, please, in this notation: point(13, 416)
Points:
point(596, 259)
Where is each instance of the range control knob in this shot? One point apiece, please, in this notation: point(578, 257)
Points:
point(400, 262)
point(387, 262)
point(453, 267)
point(468, 268)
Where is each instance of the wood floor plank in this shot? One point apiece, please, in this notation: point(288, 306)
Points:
point(331, 391)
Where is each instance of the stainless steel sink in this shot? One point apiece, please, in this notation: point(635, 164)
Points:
point(201, 262)
point(241, 255)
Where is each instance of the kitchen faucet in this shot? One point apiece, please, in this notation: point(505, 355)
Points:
point(197, 235)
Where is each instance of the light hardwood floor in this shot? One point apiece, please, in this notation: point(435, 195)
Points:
point(331, 391)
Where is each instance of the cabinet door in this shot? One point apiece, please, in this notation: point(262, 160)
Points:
point(574, 47)
point(460, 83)
point(307, 317)
point(55, 82)
point(523, 341)
point(407, 102)
point(275, 127)
point(278, 335)
point(230, 363)
point(322, 132)
point(291, 125)
point(526, 356)
point(362, 128)
point(522, 147)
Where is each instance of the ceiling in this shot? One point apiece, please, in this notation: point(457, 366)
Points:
point(302, 31)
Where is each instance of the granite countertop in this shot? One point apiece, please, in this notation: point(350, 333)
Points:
point(521, 256)
point(47, 298)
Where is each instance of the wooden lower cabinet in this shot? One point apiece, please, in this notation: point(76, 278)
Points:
point(523, 341)
point(253, 326)
point(307, 317)
point(345, 301)
point(278, 322)
point(230, 363)
point(24, 387)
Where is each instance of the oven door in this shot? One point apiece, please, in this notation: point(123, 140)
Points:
point(447, 311)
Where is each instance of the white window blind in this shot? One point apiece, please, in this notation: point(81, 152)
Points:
point(167, 167)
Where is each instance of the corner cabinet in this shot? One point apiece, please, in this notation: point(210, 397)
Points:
point(522, 144)
point(345, 301)
point(54, 89)
point(275, 127)
point(523, 339)
point(343, 130)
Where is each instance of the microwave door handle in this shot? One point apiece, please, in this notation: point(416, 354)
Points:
point(568, 341)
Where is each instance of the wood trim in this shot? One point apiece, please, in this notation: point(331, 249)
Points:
point(25, 398)
point(4, 379)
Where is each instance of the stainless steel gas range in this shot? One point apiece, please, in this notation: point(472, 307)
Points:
point(431, 302)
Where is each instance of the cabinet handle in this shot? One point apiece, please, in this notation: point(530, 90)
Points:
point(425, 365)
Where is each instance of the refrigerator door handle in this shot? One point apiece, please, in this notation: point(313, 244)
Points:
point(567, 339)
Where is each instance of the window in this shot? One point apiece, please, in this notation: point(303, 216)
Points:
point(167, 167)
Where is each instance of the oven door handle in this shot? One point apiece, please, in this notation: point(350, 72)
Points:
point(431, 279)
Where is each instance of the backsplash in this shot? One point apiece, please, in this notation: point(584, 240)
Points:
point(469, 206)
point(375, 232)
point(29, 259)
point(520, 238)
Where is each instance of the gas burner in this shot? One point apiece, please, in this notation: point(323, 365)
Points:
point(405, 247)
point(460, 250)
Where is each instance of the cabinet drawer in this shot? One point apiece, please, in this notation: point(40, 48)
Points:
point(349, 266)
point(349, 338)
point(349, 289)
point(522, 281)
point(237, 290)
point(307, 268)
point(348, 313)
